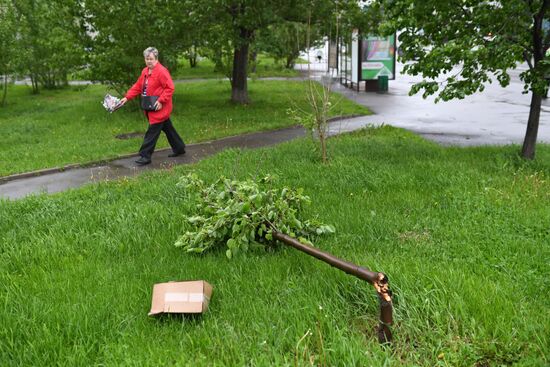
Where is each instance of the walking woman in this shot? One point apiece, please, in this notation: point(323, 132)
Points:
point(155, 83)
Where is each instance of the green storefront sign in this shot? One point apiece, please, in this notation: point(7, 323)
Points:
point(377, 57)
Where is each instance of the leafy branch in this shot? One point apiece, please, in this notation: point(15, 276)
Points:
point(243, 215)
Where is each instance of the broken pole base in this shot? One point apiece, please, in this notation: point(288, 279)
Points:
point(378, 280)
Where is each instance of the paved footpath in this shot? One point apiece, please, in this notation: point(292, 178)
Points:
point(56, 180)
point(497, 116)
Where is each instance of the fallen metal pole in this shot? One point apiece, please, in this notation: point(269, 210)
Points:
point(378, 280)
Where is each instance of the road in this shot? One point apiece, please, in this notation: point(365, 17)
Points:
point(496, 116)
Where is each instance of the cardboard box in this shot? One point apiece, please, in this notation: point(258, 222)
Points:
point(181, 297)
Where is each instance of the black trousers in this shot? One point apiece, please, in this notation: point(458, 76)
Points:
point(152, 135)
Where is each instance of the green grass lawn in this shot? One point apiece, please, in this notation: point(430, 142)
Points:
point(265, 67)
point(463, 234)
point(61, 127)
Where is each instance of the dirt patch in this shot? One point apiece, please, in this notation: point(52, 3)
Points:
point(415, 236)
point(126, 136)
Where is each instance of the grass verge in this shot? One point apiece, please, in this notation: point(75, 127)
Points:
point(69, 126)
point(205, 69)
point(463, 235)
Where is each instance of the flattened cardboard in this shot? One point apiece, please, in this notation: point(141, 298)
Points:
point(181, 297)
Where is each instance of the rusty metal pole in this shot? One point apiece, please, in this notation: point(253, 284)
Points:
point(378, 280)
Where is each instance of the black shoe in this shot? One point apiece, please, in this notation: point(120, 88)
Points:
point(142, 161)
point(171, 155)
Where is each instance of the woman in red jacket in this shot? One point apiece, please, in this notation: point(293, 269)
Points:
point(155, 80)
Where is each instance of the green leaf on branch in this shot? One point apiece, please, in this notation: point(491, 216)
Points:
point(241, 215)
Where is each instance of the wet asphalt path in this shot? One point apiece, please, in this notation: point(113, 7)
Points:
point(496, 116)
point(55, 180)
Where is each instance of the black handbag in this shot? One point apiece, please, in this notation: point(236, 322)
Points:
point(148, 102)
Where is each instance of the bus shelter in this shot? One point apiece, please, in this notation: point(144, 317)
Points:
point(364, 59)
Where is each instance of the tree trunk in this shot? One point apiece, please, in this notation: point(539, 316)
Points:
point(192, 56)
point(64, 79)
point(539, 51)
point(290, 62)
point(530, 141)
point(5, 90)
point(253, 59)
point(193, 61)
point(323, 138)
point(34, 83)
point(239, 85)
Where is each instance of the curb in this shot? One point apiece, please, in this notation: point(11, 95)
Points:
point(338, 118)
point(67, 167)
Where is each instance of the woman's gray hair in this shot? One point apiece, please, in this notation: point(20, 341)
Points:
point(151, 50)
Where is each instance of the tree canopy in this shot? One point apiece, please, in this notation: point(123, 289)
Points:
point(7, 44)
point(47, 47)
point(467, 43)
point(115, 47)
point(106, 39)
point(234, 25)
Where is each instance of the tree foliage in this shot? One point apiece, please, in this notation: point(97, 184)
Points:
point(237, 24)
point(285, 41)
point(107, 38)
point(459, 45)
point(8, 45)
point(233, 26)
point(116, 47)
point(243, 214)
point(47, 40)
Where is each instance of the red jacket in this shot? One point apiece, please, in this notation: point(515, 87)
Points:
point(159, 84)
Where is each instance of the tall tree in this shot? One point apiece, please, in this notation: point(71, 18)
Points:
point(7, 45)
point(115, 46)
point(48, 38)
point(286, 40)
point(470, 42)
point(235, 23)
point(238, 22)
